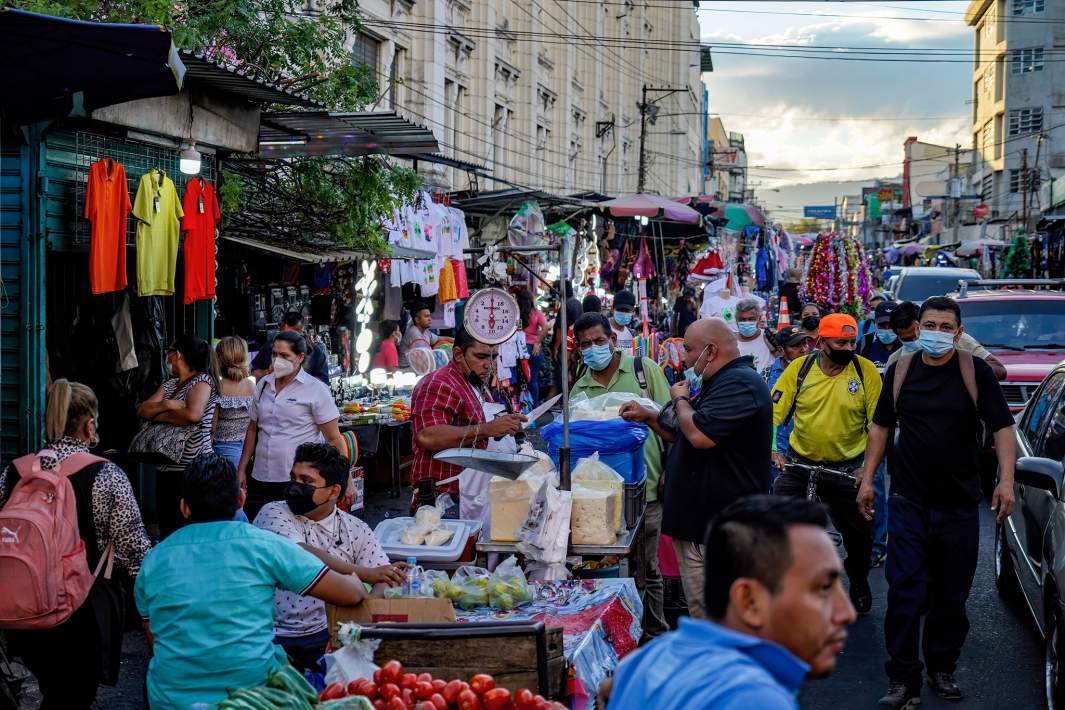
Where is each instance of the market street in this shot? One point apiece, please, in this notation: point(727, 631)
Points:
point(1002, 658)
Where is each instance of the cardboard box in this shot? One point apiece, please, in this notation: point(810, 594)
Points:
point(422, 610)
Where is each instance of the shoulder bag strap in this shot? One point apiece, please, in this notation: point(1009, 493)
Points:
point(803, 371)
point(902, 368)
point(641, 377)
point(968, 374)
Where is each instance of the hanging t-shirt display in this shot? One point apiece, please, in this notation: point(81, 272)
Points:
point(159, 212)
point(448, 291)
point(198, 223)
point(107, 207)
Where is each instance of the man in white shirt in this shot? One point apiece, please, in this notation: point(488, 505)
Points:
point(624, 304)
point(309, 517)
point(417, 334)
point(751, 337)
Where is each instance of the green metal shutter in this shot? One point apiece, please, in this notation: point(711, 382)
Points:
point(12, 218)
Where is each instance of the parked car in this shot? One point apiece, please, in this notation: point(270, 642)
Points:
point(1023, 328)
point(1030, 543)
point(916, 283)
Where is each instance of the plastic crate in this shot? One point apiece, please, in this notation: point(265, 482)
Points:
point(635, 501)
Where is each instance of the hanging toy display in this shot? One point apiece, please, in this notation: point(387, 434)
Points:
point(837, 276)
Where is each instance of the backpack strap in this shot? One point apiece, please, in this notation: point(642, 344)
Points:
point(902, 368)
point(641, 377)
point(968, 374)
point(803, 371)
point(79, 461)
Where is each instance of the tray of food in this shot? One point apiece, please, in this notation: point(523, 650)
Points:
point(401, 538)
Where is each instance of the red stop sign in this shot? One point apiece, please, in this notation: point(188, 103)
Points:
point(981, 211)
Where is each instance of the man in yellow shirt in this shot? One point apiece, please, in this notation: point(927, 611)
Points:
point(831, 395)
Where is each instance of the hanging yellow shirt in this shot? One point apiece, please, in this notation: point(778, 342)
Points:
point(832, 414)
point(158, 212)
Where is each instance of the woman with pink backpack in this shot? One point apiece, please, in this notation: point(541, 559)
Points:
point(65, 515)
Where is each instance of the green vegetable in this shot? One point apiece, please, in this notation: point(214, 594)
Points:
point(288, 679)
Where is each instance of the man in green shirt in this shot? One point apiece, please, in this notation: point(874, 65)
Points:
point(610, 370)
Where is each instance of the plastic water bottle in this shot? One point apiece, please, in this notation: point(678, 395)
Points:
point(413, 586)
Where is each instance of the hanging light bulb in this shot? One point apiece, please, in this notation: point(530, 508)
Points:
point(189, 162)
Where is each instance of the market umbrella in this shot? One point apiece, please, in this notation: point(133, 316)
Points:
point(645, 205)
point(801, 240)
point(50, 66)
point(977, 246)
point(737, 215)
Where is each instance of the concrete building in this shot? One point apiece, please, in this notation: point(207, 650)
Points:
point(1018, 99)
point(546, 94)
point(721, 157)
point(938, 179)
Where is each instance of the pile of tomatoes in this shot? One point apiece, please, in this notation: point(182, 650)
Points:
point(393, 689)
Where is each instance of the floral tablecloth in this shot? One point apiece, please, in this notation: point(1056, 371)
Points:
point(600, 619)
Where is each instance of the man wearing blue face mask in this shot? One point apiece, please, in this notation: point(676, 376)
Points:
point(624, 304)
point(751, 338)
point(612, 370)
point(904, 324)
point(878, 344)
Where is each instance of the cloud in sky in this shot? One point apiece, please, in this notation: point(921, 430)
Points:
point(780, 104)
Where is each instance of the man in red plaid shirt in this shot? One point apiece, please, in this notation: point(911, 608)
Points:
point(446, 409)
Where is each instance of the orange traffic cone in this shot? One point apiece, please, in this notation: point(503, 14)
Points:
point(783, 317)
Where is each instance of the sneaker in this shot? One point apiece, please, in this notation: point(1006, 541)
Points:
point(877, 559)
point(861, 595)
point(945, 686)
point(901, 696)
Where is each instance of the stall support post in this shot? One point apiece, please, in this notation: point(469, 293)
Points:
point(563, 452)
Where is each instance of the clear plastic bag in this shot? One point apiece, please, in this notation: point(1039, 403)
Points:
point(353, 660)
point(606, 406)
point(591, 473)
point(472, 583)
point(507, 587)
point(592, 521)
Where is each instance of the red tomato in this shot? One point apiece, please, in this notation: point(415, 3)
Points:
point(425, 677)
point(438, 701)
point(496, 699)
point(379, 704)
point(333, 692)
point(409, 680)
point(424, 705)
point(524, 700)
point(439, 685)
point(408, 696)
point(482, 683)
point(392, 672)
point(389, 691)
point(423, 689)
point(368, 689)
point(396, 703)
point(378, 677)
point(451, 691)
point(468, 700)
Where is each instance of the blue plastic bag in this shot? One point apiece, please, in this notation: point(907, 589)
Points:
point(619, 444)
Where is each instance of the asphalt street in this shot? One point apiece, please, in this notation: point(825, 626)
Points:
point(1000, 666)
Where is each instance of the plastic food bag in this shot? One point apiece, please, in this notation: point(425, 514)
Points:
point(508, 588)
point(472, 583)
point(545, 534)
point(428, 517)
point(593, 474)
point(592, 521)
point(353, 660)
point(606, 406)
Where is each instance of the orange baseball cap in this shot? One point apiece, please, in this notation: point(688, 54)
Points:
point(837, 325)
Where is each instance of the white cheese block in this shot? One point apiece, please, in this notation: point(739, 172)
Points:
point(509, 502)
point(592, 519)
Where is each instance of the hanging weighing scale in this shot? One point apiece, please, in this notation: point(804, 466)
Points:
point(491, 316)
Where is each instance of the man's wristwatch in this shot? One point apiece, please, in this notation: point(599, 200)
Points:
point(682, 397)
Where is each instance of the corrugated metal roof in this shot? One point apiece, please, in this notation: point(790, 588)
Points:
point(440, 159)
point(498, 201)
point(225, 77)
point(288, 133)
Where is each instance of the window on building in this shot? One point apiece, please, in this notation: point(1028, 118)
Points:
point(988, 28)
point(989, 79)
point(1017, 181)
point(1025, 120)
point(987, 138)
point(1023, 61)
point(987, 187)
point(499, 135)
point(395, 73)
point(365, 50)
point(1028, 7)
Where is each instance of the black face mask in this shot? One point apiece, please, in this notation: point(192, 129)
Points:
point(840, 357)
point(475, 380)
point(300, 497)
point(810, 322)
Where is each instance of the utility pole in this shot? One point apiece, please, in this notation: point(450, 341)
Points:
point(1024, 190)
point(645, 109)
point(957, 189)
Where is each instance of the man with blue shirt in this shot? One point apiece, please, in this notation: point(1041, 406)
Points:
point(778, 613)
point(206, 593)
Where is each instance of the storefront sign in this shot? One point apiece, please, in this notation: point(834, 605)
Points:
point(819, 211)
point(1057, 191)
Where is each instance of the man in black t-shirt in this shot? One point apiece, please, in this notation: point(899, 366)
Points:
point(721, 444)
point(933, 526)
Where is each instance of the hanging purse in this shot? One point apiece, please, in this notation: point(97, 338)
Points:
point(163, 444)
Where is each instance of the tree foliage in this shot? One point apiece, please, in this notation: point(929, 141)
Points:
point(278, 42)
point(1018, 261)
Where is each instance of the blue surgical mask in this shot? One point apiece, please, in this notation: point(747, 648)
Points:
point(622, 318)
point(747, 328)
point(936, 343)
point(886, 335)
point(598, 357)
point(695, 379)
point(911, 346)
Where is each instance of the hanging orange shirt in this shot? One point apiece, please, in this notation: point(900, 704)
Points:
point(447, 290)
point(107, 207)
point(198, 224)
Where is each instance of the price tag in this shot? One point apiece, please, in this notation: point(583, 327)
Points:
point(199, 204)
point(155, 203)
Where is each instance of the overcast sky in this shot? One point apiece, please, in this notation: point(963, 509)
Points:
point(775, 102)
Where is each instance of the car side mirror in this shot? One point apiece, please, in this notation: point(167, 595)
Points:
point(1045, 474)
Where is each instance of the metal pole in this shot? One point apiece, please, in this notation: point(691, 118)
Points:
point(643, 136)
point(563, 451)
point(1024, 190)
point(957, 200)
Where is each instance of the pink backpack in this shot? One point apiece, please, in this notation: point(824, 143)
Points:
point(42, 556)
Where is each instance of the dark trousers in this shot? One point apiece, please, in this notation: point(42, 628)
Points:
point(840, 498)
point(304, 651)
point(64, 659)
point(929, 572)
point(262, 492)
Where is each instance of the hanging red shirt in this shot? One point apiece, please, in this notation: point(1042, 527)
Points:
point(198, 224)
point(107, 206)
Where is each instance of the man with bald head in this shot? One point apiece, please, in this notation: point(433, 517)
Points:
point(724, 422)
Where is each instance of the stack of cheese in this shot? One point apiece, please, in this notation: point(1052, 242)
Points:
point(592, 519)
point(509, 502)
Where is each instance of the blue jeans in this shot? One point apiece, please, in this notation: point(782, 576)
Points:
point(535, 361)
point(232, 450)
point(880, 521)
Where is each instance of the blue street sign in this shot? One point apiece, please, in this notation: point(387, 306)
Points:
point(819, 211)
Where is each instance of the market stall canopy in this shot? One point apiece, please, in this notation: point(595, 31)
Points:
point(737, 215)
point(313, 252)
point(499, 201)
point(228, 78)
point(977, 247)
point(441, 159)
point(51, 66)
point(284, 134)
point(647, 205)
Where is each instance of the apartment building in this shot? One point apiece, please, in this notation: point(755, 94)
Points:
point(1018, 109)
point(545, 93)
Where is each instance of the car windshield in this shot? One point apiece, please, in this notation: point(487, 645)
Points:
point(918, 286)
point(1016, 324)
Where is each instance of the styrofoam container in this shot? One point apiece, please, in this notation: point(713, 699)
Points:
point(388, 532)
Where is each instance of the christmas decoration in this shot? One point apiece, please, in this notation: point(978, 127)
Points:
point(1018, 262)
point(837, 277)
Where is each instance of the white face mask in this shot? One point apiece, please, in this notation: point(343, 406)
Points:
point(282, 367)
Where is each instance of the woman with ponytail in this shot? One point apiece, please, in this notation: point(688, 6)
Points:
point(187, 399)
point(234, 398)
point(71, 659)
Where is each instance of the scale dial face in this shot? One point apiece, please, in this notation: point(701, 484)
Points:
point(491, 316)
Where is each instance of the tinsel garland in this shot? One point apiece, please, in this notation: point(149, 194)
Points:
point(837, 276)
